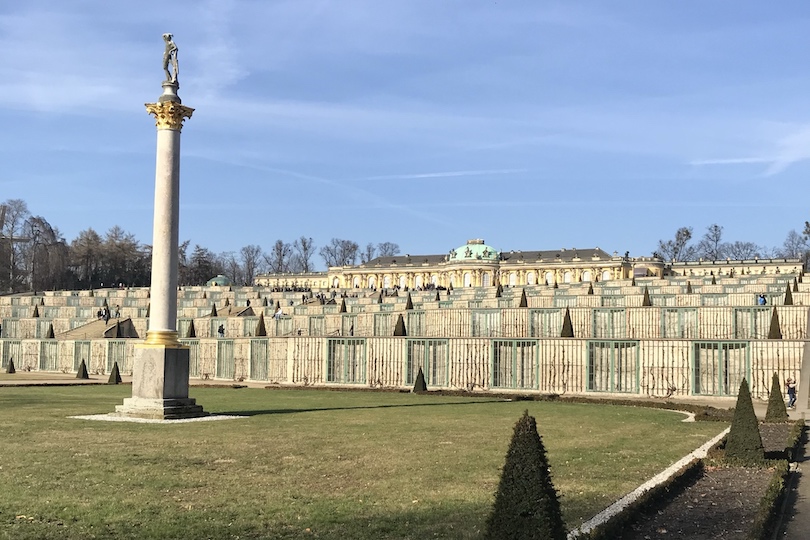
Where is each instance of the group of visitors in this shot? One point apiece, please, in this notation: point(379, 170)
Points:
point(104, 313)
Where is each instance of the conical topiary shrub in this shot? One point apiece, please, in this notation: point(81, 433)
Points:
point(775, 331)
point(526, 504)
point(115, 375)
point(419, 385)
point(264, 302)
point(567, 327)
point(380, 298)
point(342, 306)
point(261, 329)
point(688, 287)
point(93, 294)
point(205, 295)
point(278, 305)
point(590, 288)
point(633, 281)
point(744, 443)
point(788, 297)
point(42, 300)
point(148, 309)
point(524, 302)
point(399, 327)
point(714, 281)
point(214, 310)
point(82, 373)
point(50, 334)
point(10, 367)
point(646, 300)
point(36, 311)
point(409, 302)
point(192, 332)
point(499, 291)
point(777, 412)
point(227, 302)
point(438, 299)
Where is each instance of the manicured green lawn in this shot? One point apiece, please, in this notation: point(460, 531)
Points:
point(307, 464)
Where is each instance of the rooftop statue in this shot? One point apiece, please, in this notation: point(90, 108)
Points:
point(170, 57)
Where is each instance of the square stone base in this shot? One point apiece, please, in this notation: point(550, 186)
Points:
point(160, 385)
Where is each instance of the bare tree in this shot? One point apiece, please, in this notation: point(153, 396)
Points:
point(711, 246)
point(278, 260)
point(233, 269)
point(46, 255)
point(387, 249)
point(678, 249)
point(304, 251)
point(340, 252)
point(251, 262)
point(794, 246)
point(368, 253)
point(743, 250)
point(14, 213)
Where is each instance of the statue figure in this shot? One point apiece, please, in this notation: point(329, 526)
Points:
point(170, 56)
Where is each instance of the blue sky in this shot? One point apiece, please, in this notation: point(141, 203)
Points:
point(533, 125)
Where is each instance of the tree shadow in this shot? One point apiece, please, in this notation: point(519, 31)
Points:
point(794, 493)
point(358, 407)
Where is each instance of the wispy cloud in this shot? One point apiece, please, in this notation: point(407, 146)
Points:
point(789, 150)
point(447, 174)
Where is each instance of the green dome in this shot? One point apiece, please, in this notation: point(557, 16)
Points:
point(474, 250)
point(220, 280)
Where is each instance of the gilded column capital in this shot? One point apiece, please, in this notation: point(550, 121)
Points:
point(168, 114)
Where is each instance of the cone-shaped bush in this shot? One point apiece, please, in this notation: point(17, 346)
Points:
point(205, 295)
point(633, 281)
point(788, 297)
point(567, 327)
point(278, 304)
point(795, 285)
point(775, 332)
point(744, 443)
point(36, 311)
point(646, 301)
point(555, 284)
point(93, 294)
point(342, 306)
point(261, 330)
point(399, 327)
point(380, 298)
point(526, 503)
point(420, 385)
point(148, 309)
point(450, 288)
point(50, 334)
point(437, 296)
point(42, 300)
point(714, 281)
point(82, 373)
point(777, 412)
point(800, 278)
point(214, 310)
point(524, 302)
point(227, 302)
point(499, 291)
point(688, 287)
point(10, 367)
point(192, 332)
point(115, 375)
point(264, 302)
point(409, 302)
point(590, 288)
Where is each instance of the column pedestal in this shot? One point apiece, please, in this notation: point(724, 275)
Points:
point(160, 385)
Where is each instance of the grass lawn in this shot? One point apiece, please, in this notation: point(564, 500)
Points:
point(307, 464)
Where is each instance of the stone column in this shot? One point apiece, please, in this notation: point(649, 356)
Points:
point(161, 364)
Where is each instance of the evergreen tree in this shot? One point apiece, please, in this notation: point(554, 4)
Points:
point(524, 302)
point(777, 412)
point(526, 503)
point(115, 375)
point(567, 327)
point(82, 373)
point(775, 331)
point(399, 327)
point(744, 443)
point(788, 297)
point(646, 300)
point(214, 310)
point(688, 287)
point(590, 288)
point(420, 385)
point(499, 291)
point(192, 332)
point(409, 302)
point(10, 367)
point(261, 329)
